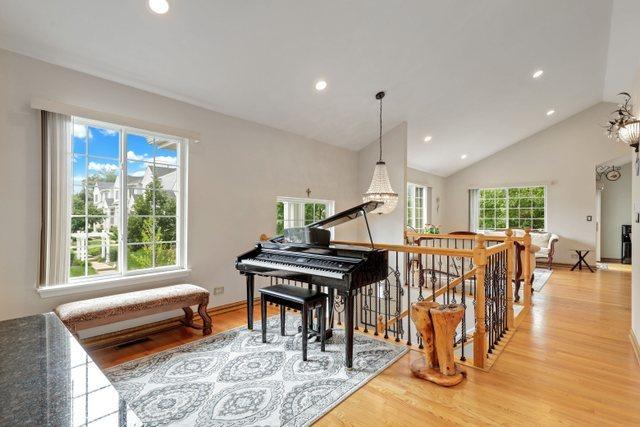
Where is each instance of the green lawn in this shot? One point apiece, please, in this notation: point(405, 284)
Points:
point(78, 270)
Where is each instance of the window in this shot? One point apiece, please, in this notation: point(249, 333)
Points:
point(416, 212)
point(292, 212)
point(515, 207)
point(127, 199)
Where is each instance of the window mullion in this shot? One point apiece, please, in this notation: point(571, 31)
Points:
point(124, 206)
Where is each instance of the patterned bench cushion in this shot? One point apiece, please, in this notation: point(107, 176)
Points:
point(115, 306)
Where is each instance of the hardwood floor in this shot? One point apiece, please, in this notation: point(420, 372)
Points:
point(570, 362)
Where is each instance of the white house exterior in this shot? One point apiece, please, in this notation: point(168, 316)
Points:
point(106, 195)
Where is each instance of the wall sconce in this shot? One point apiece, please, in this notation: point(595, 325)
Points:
point(625, 127)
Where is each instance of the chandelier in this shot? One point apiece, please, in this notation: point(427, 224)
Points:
point(380, 189)
point(623, 125)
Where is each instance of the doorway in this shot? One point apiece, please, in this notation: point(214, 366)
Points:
point(613, 212)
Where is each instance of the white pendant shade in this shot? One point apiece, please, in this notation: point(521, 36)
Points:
point(630, 133)
point(380, 190)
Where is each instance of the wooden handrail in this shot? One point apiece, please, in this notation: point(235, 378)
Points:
point(491, 250)
point(434, 236)
point(454, 283)
point(425, 250)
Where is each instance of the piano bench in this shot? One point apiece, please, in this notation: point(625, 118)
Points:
point(296, 298)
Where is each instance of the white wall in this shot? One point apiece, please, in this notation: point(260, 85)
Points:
point(236, 172)
point(436, 184)
point(616, 205)
point(635, 229)
point(564, 157)
point(387, 228)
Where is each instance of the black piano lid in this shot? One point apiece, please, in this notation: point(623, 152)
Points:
point(339, 218)
point(345, 216)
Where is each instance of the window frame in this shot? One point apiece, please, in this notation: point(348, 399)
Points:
point(425, 206)
point(329, 207)
point(121, 276)
point(507, 206)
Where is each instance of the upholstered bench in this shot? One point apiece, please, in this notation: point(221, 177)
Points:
point(94, 312)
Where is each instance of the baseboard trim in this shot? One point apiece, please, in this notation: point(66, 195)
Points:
point(131, 334)
point(635, 345)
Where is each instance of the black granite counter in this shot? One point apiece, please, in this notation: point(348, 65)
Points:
point(47, 379)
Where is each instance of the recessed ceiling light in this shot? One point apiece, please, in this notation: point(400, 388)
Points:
point(159, 6)
point(464, 156)
point(428, 138)
point(537, 74)
point(321, 85)
point(551, 112)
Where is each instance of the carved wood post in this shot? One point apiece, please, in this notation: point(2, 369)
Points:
point(527, 268)
point(509, 278)
point(479, 336)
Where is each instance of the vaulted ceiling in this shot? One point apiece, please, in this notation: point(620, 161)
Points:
point(457, 70)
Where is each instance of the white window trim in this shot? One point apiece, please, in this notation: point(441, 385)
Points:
point(507, 187)
point(113, 282)
point(134, 277)
point(330, 204)
point(426, 203)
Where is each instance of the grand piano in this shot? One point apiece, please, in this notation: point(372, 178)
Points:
point(305, 255)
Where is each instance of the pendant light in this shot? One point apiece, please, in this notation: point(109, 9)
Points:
point(380, 189)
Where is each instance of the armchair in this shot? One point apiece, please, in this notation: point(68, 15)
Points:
point(546, 242)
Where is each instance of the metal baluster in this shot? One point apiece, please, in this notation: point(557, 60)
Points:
point(398, 323)
point(386, 309)
point(463, 297)
point(407, 277)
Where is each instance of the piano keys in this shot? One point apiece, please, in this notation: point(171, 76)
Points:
point(305, 255)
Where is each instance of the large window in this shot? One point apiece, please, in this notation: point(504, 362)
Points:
point(416, 211)
point(126, 201)
point(515, 207)
point(292, 212)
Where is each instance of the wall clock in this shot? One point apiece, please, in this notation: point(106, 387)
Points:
point(613, 175)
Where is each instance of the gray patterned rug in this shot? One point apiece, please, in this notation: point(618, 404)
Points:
point(540, 278)
point(233, 379)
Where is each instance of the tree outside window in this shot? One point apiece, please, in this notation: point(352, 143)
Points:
point(515, 207)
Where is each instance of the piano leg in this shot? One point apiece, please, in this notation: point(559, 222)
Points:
point(250, 282)
point(348, 328)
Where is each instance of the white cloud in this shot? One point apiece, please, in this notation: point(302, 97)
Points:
point(102, 167)
point(108, 132)
point(79, 131)
point(137, 173)
point(131, 155)
point(167, 160)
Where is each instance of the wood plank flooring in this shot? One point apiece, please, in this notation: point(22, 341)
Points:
point(570, 362)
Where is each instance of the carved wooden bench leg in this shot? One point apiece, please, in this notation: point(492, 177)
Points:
point(206, 319)
point(188, 318)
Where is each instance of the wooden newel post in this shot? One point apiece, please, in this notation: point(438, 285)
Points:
point(527, 268)
point(510, 264)
point(479, 336)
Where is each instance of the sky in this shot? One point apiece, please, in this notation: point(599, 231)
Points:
point(97, 150)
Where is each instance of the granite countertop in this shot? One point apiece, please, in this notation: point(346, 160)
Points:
point(47, 379)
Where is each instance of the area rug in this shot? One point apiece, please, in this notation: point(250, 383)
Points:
point(233, 379)
point(540, 278)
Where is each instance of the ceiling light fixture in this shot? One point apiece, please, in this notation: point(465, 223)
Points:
point(428, 138)
point(380, 189)
point(159, 6)
point(321, 85)
point(464, 156)
point(624, 126)
point(537, 74)
point(551, 112)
